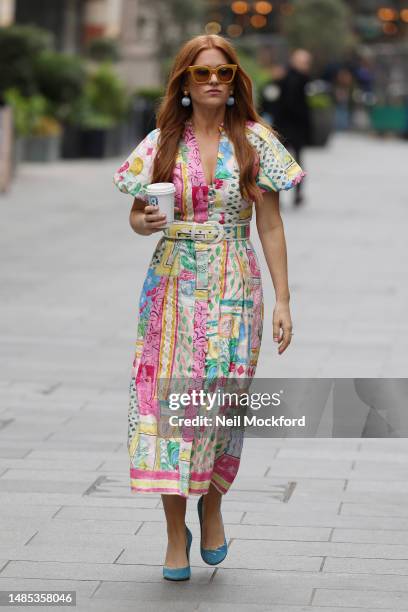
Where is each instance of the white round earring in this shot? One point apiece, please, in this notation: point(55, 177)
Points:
point(186, 100)
point(231, 100)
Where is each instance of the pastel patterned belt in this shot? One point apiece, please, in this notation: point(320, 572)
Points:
point(202, 234)
point(209, 231)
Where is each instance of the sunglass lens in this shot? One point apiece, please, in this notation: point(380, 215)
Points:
point(225, 74)
point(201, 74)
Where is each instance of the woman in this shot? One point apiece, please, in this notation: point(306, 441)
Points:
point(201, 307)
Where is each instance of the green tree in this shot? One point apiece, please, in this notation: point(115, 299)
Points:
point(103, 49)
point(323, 27)
point(104, 101)
point(20, 46)
point(61, 79)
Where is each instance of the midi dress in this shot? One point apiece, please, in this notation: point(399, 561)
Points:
point(201, 310)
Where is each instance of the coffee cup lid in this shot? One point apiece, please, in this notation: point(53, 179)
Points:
point(160, 188)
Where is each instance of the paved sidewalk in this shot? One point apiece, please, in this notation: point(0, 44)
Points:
point(313, 525)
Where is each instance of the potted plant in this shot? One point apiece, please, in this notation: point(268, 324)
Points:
point(61, 79)
point(103, 49)
point(38, 134)
point(101, 114)
point(44, 142)
point(35, 70)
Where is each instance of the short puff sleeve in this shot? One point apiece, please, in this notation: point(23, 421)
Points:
point(277, 170)
point(135, 173)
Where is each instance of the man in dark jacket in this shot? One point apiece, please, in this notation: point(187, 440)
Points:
point(289, 111)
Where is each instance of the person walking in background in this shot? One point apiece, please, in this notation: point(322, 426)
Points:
point(343, 98)
point(201, 307)
point(288, 110)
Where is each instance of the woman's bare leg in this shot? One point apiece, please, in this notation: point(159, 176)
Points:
point(213, 527)
point(175, 511)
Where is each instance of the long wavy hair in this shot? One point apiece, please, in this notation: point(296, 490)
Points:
point(171, 115)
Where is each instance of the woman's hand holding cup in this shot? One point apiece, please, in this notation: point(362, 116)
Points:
point(155, 220)
point(159, 212)
point(160, 209)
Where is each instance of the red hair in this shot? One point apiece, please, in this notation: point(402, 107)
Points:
point(171, 115)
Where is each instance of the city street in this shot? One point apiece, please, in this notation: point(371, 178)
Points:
point(312, 524)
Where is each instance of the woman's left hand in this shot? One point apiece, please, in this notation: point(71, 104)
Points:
point(282, 326)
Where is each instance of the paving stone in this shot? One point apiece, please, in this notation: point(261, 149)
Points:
point(132, 501)
point(88, 526)
point(16, 535)
point(77, 476)
point(83, 588)
point(73, 445)
point(194, 592)
point(393, 498)
point(319, 486)
point(385, 445)
point(311, 468)
point(364, 470)
point(136, 514)
point(378, 509)
point(320, 444)
point(386, 487)
point(72, 454)
point(318, 453)
point(37, 486)
point(374, 536)
point(101, 554)
point(79, 538)
point(394, 567)
point(363, 599)
point(13, 453)
point(322, 549)
point(95, 571)
point(290, 580)
point(289, 515)
point(50, 464)
point(29, 511)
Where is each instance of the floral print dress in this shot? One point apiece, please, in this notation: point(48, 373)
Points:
point(197, 332)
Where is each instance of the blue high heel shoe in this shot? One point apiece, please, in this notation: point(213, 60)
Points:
point(210, 556)
point(180, 573)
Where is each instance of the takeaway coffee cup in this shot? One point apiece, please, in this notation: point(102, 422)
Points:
point(162, 195)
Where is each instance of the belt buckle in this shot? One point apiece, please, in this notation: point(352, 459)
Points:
point(197, 232)
point(220, 230)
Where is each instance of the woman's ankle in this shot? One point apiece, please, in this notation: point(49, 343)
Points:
point(212, 503)
point(175, 536)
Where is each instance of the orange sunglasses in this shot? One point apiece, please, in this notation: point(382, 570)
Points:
point(224, 73)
